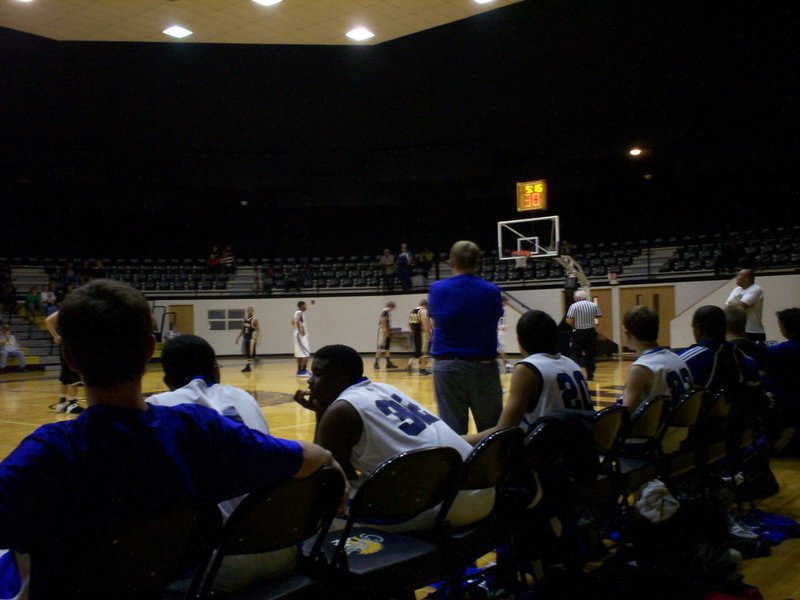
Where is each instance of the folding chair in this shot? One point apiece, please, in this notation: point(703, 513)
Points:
point(367, 560)
point(135, 561)
point(681, 436)
point(485, 468)
point(279, 517)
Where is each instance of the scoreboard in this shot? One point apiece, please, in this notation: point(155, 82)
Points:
point(532, 195)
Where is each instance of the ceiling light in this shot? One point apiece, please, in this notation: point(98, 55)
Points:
point(483, 1)
point(26, 1)
point(267, 2)
point(635, 151)
point(360, 34)
point(177, 31)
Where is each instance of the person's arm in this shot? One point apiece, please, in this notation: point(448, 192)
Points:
point(256, 330)
point(51, 323)
point(238, 337)
point(750, 297)
point(339, 430)
point(526, 384)
point(637, 382)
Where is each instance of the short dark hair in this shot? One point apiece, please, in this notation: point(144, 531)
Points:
point(790, 319)
point(186, 357)
point(299, 304)
point(106, 327)
point(537, 332)
point(735, 319)
point(342, 360)
point(642, 322)
point(710, 323)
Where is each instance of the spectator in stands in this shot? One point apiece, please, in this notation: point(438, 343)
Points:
point(542, 382)
point(387, 264)
point(98, 270)
point(227, 260)
point(405, 261)
point(425, 261)
point(8, 298)
point(114, 441)
point(70, 275)
point(213, 260)
point(33, 302)
point(84, 272)
point(657, 371)
point(192, 374)
point(716, 364)
point(49, 300)
point(10, 347)
point(363, 423)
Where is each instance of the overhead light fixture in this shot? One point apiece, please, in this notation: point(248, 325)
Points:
point(635, 151)
point(177, 31)
point(360, 34)
point(483, 1)
point(25, 1)
point(267, 2)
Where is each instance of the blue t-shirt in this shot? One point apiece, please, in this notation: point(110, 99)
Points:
point(721, 366)
point(465, 310)
point(69, 480)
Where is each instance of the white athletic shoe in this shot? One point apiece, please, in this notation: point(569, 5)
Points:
point(74, 408)
point(61, 407)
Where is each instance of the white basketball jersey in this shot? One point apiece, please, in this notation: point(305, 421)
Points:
point(563, 386)
point(394, 423)
point(671, 376)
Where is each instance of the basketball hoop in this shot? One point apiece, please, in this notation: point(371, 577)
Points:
point(525, 253)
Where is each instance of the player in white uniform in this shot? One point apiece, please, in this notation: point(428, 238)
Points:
point(191, 373)
point(300, 340)
point(541, 383)
point(658, 371)
point(364, 423)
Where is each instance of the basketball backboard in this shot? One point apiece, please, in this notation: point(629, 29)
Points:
point(537, 237)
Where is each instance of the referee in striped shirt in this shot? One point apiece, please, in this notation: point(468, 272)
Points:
point(581, 316)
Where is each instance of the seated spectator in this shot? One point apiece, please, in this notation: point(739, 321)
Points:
point(541, 383)
point(70, 275)
point(192, 374)
point(120, 440)
point(98, 270)
point(33, 302)
point(8, 298)
point(49, 300)
point(213, 260)
point(658, 371)
point(10, 346)
point(425, 261)
point(227, 260)
point(364, 423)
point(716, 364)
point(84, 272)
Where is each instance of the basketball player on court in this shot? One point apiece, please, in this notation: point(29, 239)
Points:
point(300, 339)
point(68, 379)
point(250, 334)
point(385, 336)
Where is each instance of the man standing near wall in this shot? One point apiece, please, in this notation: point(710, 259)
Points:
point(465, 310)
point(749, 295)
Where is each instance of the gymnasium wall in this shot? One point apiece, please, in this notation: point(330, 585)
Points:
point(353, 320)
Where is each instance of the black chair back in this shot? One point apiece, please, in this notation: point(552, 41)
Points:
point(137, 560)
point(488, 462)
point(647, 420)
point(609, 425)
point(278, 517)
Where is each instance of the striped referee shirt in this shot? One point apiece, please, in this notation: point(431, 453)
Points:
point(584, 313)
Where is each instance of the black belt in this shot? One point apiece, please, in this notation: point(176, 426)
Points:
point(466, 358)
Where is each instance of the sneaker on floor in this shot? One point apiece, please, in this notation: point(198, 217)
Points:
point(424, 372)
point(303, 373)
point(390, 365)
point(246, 369)
point(61, 407)
point(376, 365)
point(74, 408)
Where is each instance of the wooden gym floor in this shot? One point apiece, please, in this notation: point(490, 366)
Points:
point(27, 399)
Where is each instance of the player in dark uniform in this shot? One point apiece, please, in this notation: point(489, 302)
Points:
point(415, 324)
point(249, 334)
point(68, 379)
